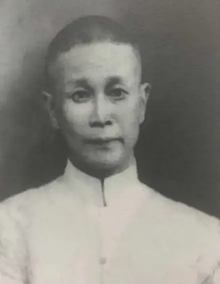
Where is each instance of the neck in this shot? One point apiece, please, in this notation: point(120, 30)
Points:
point(100, 172)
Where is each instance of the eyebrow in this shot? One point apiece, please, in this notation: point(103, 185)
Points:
point(114, 80)
point(84, 82)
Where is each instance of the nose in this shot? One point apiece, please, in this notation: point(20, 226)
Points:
point(102, 114)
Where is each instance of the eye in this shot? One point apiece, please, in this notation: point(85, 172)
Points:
point(118, 93)
point(80, 96)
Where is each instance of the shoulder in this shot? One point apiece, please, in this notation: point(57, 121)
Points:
point(188, 220)
point(184, 229)
point(17, 215)
point(17, 208)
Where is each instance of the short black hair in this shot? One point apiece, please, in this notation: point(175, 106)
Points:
point(86, 30)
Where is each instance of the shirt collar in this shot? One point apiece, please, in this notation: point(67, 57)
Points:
point(91, 189)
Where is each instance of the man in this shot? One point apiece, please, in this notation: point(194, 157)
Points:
point(97, 223)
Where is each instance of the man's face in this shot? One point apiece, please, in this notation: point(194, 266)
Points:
point(100, 103)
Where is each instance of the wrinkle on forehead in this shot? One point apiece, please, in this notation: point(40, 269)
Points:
point(104, 57)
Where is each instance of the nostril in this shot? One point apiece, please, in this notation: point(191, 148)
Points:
point(108, 122)
point(96, 124)
point(99, 123)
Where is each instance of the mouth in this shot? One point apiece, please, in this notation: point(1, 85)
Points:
point(104, 141)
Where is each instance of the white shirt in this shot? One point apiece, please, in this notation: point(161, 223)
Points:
point(62, 233)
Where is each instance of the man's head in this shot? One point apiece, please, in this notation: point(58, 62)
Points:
point(94, 93)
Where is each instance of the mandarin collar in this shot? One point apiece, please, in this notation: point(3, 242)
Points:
point(111, 190)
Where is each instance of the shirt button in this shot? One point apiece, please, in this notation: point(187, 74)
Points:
point(102, 260)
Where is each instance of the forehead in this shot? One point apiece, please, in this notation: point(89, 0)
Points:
point(96, 62)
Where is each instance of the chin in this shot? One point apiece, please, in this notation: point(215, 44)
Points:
point(102, 161)
point(106, 162)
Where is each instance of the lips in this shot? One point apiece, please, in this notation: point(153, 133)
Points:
point(103, 141)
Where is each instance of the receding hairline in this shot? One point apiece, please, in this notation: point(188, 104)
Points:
point(84, 31)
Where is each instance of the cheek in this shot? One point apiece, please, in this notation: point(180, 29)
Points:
point(74, 117)
point(129, 118)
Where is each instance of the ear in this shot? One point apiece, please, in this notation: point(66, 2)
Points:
point(145, 89)
point(49, 105)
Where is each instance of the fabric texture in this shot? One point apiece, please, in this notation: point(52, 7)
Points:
point(80, 230)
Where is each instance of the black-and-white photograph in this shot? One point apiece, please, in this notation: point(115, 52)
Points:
point(109, 142)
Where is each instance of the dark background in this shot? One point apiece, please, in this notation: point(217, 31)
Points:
point(178, 153)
